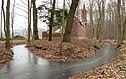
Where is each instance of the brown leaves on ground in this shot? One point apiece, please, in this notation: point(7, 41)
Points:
point(5, 56)
point(114, 70)
point(13, 42)
point(18, 42)
point(62, 51)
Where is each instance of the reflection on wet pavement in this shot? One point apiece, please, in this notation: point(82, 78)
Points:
point(27, 66)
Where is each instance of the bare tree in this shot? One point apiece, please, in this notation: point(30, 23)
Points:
point(12, 19)
point(119, 22)
point(63, 22)
point(101, 19)
point(7, 29)
point(91, 16)
point(29, 20)
point(51, 20)
point(1, 22)
point(123, 20)
point(3, 12)
point(28, 12)
point(102, 26)
point(35, 18)
point(68, 29)
point(110, 21)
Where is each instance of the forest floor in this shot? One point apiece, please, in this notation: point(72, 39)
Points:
point(14, 42)
point(61, 51)
point(114, 70)
point(79, 50)
point(7, 55)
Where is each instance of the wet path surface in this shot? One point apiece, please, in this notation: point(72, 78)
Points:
point(27, 66)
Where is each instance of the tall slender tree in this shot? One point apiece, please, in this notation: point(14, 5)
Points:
point(102, 25)
point(119, 22)
point(51, 21)
point(63, 22)
point(70, 18)
point(3, 12)
point(12, 18)
point(123, 19)
point(29, 21)
point(91, 17)
point(35, 27)
point(99, 20)
point(1, 23)
point(7, 29)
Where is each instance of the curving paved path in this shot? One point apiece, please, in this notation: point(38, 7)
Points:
point(27, 66)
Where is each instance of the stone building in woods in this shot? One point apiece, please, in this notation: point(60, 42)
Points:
point(79, 27)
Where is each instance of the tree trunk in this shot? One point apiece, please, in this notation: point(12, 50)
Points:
point(102, 26)
point(119, 22)
point(35, 28)
point(91, 18)
point(29, 23)
point(98, 28)
point(3, 15)
point(123, 21)
point(8, 25)
point(101, 19)
point(51, 21)
point(123, 30)
point(68, 29)
point(12, 19)
point(63, 22)
point(1, 23)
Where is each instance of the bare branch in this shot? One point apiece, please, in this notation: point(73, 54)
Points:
point(24, 2)
point(68, 2)
point(21, 9)
point(21, 15)
point(21, 6)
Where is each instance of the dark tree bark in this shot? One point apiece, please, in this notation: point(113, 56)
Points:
point(63, 22)
point(91, 18)
point(12, 19)
point(102, 26)
point(123, 30)
point(99, 20)
point(123, 21)
point(119, 22)
point(7, 30)
point(68, 29)
point(1, 23)
point(51, 21)
point(29, 21)
point(3, 12)
point(35, 27)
